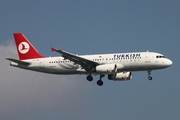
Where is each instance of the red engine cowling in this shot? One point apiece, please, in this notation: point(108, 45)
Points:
point(122, 76)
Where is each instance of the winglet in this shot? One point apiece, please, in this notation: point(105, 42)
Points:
point(53, 49)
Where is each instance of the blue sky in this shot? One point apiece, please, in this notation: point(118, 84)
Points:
point(90, 27)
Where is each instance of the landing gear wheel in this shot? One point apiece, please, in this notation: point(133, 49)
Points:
point(150, 78)
point(149, 73)
point(100, 82)
point(89, 78)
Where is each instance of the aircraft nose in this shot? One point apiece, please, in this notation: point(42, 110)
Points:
point(169, 62)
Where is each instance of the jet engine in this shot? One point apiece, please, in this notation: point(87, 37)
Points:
point(122, 76)
point(106, 68)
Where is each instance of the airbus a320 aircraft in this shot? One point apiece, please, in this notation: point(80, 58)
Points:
point(117, 66)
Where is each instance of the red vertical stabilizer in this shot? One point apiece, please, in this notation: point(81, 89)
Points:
point(25, 48)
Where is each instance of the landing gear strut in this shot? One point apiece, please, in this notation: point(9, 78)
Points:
point(100, 82)
point(149, 75)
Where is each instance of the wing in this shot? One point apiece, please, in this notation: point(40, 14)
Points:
point(85, 63)
point(18, 61)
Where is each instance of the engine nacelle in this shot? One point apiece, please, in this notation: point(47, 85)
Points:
point(122, 76)
point(106, 68)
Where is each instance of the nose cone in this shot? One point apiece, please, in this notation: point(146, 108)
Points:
point(168, 62)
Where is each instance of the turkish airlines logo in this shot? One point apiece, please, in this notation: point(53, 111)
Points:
point(23, 47)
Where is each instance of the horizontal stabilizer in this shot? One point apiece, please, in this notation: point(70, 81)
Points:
point(18, 61)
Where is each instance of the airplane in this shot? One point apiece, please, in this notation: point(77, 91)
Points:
point(117, 66)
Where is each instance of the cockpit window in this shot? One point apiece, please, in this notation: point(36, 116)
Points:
point(160, 56)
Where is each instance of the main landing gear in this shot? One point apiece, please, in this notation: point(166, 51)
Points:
point(149, 75)
point(99, 82)
point(89, 78)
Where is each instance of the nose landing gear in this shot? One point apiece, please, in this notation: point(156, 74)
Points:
point(149, 75)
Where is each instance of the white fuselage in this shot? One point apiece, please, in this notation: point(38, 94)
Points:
point(136, 61)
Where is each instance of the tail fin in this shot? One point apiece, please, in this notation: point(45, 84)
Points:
point(25, 48)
